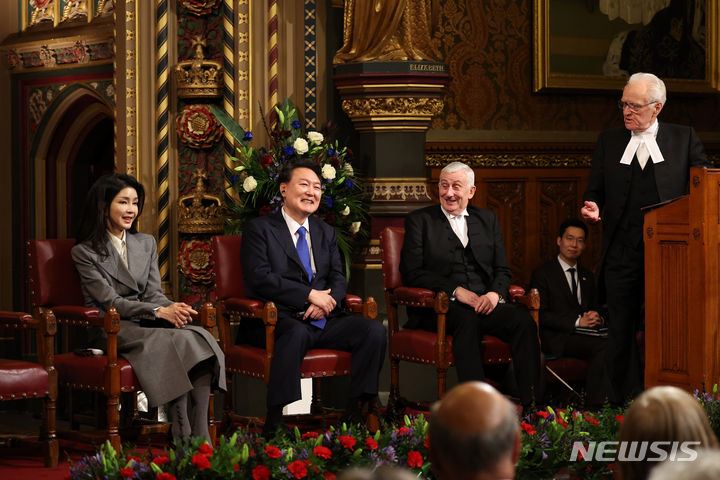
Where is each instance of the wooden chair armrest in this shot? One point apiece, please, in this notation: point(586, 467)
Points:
point(367, 308)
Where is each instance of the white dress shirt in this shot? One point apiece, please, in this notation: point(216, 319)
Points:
point(458, 223)
point(119, 244)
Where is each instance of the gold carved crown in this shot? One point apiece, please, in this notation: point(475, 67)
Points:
point(200, 213)
point(199, 78)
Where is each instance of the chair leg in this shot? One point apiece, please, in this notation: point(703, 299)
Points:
point(113, 420)
point(212, 427)
point(316, 405)
point(394, 381)
point(50, 442)
point(441, 382)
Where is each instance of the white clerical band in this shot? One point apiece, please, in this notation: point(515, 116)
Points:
point(634, 143)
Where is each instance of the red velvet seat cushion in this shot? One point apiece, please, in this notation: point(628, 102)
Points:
point(419, 346)
point(88, 373)
point(19, 379)
point(250, 361)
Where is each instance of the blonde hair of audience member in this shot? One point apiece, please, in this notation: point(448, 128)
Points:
point(663, 414)
point(474, 434)
point(705, 467)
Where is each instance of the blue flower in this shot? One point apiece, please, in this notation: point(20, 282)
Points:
point(348, 184)
point(234, 178)
point(328, 201)
point(289, 150)
point(248, 136)
point(295, 124)
point(331, 152)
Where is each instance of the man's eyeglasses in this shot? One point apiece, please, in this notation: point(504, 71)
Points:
point(634, 107)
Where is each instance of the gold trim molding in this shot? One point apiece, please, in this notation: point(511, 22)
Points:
point(377, 114)
point(510, 160)
point(404, 190)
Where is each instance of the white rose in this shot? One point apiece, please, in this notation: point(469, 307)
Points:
point(328, 172)
point(354, 227)
point(315, 137)
point(346, 211)
point(300, 146)
point(349, 169)
point(249, 184)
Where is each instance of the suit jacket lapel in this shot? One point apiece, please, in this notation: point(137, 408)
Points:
point(282, 235)
point(115, 267)
point(662, 169)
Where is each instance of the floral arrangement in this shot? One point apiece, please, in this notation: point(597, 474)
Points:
point(548, 437)
point(711, 404)
point(257, 188)
point(311, 456)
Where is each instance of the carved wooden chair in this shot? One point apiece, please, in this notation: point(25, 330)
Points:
point(243, 359)
point(21, 379)
point(55, 290)
point(420, 346)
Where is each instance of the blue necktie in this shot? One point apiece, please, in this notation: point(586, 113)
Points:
point(304, 253)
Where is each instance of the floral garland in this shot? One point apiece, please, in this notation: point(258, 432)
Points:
point(256, 184)
point(312, 456)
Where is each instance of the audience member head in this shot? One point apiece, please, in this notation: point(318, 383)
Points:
point(664, 414)
point(383, 472)
point(301, 188)
point(456, 187)
point(642, 99)
point(96, 211)
point(571, 240)
point(705, 467)
point(474, 434)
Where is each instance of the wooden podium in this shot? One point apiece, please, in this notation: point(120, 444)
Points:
point(682, 264)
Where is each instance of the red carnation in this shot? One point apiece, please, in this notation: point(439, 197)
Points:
point(349, 152)
point(542, 414)
point(619, 419)
point(322, 452)
point(307, 435)
point(264, 210)
point(347, 441)
point(261, 472)
point(371, 444)
point(266, 160)
point(329, 476)
point(160, 460)
point(236, 467)
point(206, 450)
point(298, 468)
point(414, 459)
point(130, 457)
point(527, 428)
point(272, 452)
point(200, 461)
point(165, 476)
point(127, 472)
point(426, 442)
point(592, 421)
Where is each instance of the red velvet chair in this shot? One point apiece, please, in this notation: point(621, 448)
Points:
point(232, 307)
point(55, 289)
point(420, 346)
point(20, 379)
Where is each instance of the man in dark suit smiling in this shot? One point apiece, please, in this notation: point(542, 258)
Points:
point(640, 164)
point(568, 301)
point(459, 249)
point(291, 258)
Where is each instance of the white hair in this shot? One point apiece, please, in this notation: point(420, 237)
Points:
point(655, 87)
point(458, 166)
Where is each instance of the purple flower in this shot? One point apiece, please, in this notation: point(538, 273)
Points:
point(389, 454)
point(248, 136)
point(544, 456)
point(295, 124)
point(234, 178)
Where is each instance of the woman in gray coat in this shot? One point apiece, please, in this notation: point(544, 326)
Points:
point(118, 268)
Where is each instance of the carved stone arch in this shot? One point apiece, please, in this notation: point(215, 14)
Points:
point(69, 152)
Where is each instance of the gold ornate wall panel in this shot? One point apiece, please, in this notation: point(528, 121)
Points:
point(487, 46)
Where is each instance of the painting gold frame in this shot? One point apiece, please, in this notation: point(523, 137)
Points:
point(546, 80)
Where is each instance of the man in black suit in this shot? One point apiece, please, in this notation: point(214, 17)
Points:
point(568, 300)
point(644, 163)
point(459, 249)
point(291, 258)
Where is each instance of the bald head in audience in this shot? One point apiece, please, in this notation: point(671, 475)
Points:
point(474, 434)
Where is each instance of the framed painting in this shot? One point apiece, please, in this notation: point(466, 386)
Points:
point(594, 45)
